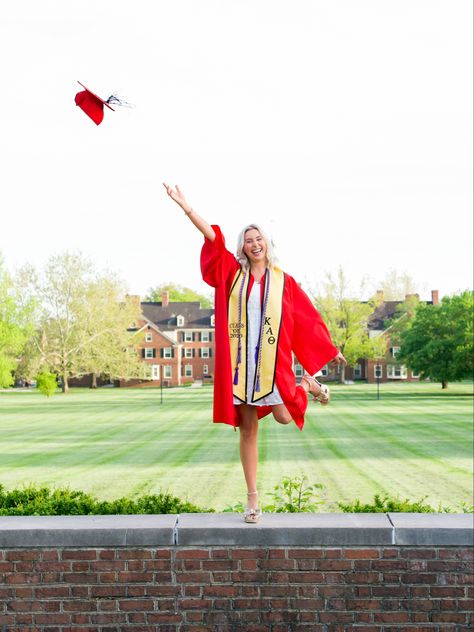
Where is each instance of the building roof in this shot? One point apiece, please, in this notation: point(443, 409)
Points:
point(165, 316)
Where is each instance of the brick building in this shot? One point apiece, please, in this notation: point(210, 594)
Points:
point(387, 368)
point(178, 345)
point(177, 342)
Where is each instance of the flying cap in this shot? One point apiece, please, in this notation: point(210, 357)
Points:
point(91, 104)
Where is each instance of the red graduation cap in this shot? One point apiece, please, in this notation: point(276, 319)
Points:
point(91, 104)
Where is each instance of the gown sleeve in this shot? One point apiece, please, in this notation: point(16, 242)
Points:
point(312, 342)
point(217, 263)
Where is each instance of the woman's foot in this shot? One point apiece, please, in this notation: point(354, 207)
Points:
point(252, 512)
point(320, 392)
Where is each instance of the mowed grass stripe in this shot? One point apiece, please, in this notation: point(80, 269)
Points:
point(415, 440)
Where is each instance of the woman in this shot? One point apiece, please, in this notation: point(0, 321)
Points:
point(262, 318)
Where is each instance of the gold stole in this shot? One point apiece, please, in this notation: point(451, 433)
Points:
point(269, 333)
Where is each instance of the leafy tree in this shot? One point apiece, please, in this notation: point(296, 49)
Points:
point(396, 286)
point(14, 326)
point(347, 320)
point(82, 321)
point(439, 343)
point(47, 383)
point(178, 293)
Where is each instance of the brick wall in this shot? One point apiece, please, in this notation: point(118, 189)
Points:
point(232, 586)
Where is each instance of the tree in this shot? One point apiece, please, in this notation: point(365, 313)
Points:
point(177, 293)
point(439, 343)
point(396, 286)
point(347, 320)
point(14, 326)
point(82, 321)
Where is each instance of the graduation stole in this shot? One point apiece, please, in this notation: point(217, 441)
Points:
point(267, 348)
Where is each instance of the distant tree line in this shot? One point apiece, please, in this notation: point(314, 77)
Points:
point(70, 320)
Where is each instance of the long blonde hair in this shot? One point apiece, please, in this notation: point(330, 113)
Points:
point(242, 257)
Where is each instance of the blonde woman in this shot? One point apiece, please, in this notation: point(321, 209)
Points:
point(262, 318)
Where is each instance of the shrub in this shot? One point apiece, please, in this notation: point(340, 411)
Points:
point(46, 383)
point(385, 504)
point(43, 501)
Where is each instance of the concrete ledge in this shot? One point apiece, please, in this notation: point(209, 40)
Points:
point(229, 529)
point(433, 529)
point(59, 531)
point(303, 529)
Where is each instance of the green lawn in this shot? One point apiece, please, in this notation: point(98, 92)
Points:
point(415, 441)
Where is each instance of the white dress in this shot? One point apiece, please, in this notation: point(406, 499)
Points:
point(254, 321)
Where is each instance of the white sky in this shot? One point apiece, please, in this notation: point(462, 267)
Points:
point(343, 126)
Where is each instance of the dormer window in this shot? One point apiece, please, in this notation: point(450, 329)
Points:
point(180, 321)
point(213, 320)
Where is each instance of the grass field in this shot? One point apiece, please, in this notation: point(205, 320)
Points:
point(415, 441)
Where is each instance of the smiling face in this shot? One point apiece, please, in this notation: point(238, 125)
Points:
point(255, 247)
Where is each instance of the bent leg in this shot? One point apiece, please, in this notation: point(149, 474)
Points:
point(281, 414)
point(248, 427)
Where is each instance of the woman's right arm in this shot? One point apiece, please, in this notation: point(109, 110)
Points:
point(201, 224)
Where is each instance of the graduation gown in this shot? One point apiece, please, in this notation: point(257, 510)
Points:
point(302, 332)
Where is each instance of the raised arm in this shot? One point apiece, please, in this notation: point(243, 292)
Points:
point(201, 224)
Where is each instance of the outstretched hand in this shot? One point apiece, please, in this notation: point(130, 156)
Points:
point(177, 195)
point(340, 359)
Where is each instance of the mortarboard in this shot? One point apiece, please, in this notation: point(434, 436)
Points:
point(91, 104)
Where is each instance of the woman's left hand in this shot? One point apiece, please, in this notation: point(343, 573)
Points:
point(340, 359)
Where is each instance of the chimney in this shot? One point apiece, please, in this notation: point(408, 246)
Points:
point(380, 297)
point(165, 298)
point(435, 297)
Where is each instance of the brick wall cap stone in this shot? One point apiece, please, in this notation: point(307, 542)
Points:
point(433, 529)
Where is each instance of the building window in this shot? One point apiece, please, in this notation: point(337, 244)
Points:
point(378, 371)
point(325, 371)
point(180, 321)
point(396, 371)
point(188, 353)
point(204, 336)
point(213, 321)
point(149, 337)
point(155, 371)
point(167, 371)
point(357, 370)
point(205, 369)
point(205, 352)
point(167, 352)
point(395, 351)
point(188, 336)
point(149, 352)
point(299, 372)
point(188, 370)
point(415, 374)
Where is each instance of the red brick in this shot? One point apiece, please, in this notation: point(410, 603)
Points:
point(78, 554)
point(157, 565)
point(162, 554)
point(277, 553)
point(108, 590)
point(163, 617)
point(239, 554)
point(128, 578)
point(134, 554)
point(307, 604)
point(420, 554)
point(362, 554)
point(219, 590)
point(192, 604)
point(456, 554)
point(362, 578)
point(447, 591)
point(80, 591)
point(305, 553)
point(363, 604)
point(391, 617)
point(193, 554)
point(45, 592)
point(106, 554)
point(79, 606)
point(21, 578)
point(136, 604)
point(419, 578)
point(22, 555)
point(390, 553)
point(278, 564)
point(448, 617)
point(336, 617)
point(80, 578)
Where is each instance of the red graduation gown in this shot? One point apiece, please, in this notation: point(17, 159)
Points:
point(302, 332)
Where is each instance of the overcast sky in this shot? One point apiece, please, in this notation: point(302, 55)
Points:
point(342, 126)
